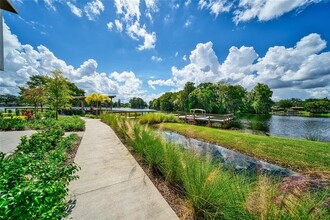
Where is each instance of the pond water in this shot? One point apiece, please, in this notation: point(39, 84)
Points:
point(286, 126)
point(230, 159)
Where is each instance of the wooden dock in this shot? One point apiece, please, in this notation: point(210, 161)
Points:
point(199, 115)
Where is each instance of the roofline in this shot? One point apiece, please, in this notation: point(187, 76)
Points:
point(8, 6)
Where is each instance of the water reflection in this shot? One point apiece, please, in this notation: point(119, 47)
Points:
point(230, 159)
point(286, 126)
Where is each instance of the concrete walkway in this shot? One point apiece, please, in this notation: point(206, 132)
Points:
point(112, 185)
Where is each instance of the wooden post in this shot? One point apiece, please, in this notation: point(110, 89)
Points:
point(209, 122)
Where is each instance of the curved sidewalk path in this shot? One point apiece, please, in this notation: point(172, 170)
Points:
point(112, 185)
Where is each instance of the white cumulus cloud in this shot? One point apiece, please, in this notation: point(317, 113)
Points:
point(23, 61)
point(299, 71)
point(265, 10)
point(128, 14)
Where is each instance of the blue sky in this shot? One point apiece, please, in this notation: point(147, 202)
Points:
point(145, 48)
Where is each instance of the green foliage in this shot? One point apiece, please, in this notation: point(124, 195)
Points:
point(216, 193)
point(58, 91)
point(137, 102)
point(9, 99)
point(156, 118)
point(317, 105)
point(18, 112)
point(260, 99)
point(67, 123)
point(34, 180)
point(218, 98)
point(12, 124)
point(35, 91)
point(91, 116)
point(50, 114)
point(72, 112)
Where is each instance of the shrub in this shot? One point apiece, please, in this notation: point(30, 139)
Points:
point(50, 114)
point(67, 123)
point(28, 114)
point(18, 112)
point(71, 123)
point(34, 180)
point(72, 112)
point(11, 124)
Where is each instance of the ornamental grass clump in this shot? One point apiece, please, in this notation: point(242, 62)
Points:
point(156, 118)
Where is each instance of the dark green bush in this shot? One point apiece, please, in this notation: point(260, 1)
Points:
point(72, 112)
point(34, 179)
point(11, 124)
point(68, 123)
point(18, 112)
point(50, 114)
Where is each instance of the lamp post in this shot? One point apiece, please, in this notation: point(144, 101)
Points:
point(7, 6)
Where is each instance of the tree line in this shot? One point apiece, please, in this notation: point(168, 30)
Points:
point(216, 98)
point(310, 105)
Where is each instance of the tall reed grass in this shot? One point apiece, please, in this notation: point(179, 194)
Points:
point(216, 193)
point(156, 118)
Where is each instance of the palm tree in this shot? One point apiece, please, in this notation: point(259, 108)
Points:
point(98, 99)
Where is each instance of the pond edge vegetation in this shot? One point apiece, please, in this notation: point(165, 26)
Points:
point(215, 193)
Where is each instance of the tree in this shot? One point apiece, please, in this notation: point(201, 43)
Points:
point(317, 105)
point(98, 99)
point(189, 87)
point(166, 102)
point(137, 102)
point(75, 91)
point(37, 81)
point(36, 96)
point(260, 98)
point(232, 98)
point(205, 97)
point(58, 91)
point(8, 99)
point(284, 103)
point(35, 91)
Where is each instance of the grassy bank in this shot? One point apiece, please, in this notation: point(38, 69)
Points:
point(300, 155)
point(216, 193)
point(34, 179)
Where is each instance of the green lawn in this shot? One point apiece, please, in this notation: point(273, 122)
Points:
point(299, 155)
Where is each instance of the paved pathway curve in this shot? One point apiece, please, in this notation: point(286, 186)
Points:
point(112, 185)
